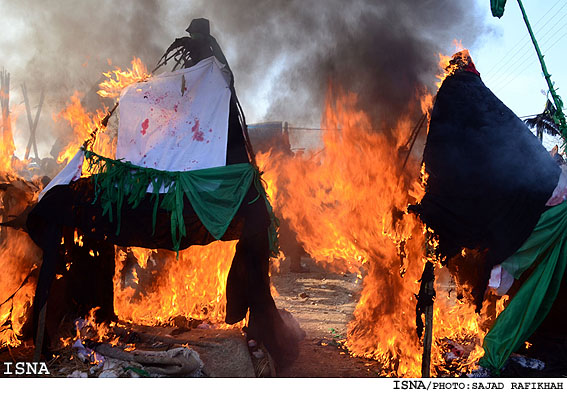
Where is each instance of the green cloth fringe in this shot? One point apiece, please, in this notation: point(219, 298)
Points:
point(214, 193)
point(546, 250)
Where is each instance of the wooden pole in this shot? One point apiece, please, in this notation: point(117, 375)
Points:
point(5, 103)
point(36, 121)
point(40, 334)
point(428, 334)
point(32, 123)
point(414, 134)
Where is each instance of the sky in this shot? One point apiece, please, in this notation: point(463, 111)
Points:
point(507, 60)
point(278, 49)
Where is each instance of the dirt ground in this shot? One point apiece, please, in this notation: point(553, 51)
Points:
point(323, 303)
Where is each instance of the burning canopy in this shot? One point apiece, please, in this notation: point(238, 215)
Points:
point(489, 182)
point(187, 179)
point(480, 193)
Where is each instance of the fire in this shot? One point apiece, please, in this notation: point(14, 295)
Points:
point(348, 212)
point(19, 256)
point(158, 288)
point(7, 147)
point(348, 208)
point(445, 62)
point(118, 79)
point(19, 260)
point(153, 287)
point(333, 184)
point(84, 123)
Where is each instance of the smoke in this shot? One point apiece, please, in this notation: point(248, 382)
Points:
point(381, 50)
point(64, 45)
point(283, 52)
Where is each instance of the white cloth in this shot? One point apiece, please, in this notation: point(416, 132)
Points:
point(560, 192)
point(176, 121)
point(500, 280)
point(70, 173)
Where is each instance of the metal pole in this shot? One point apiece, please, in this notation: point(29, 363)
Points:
point(559, 117)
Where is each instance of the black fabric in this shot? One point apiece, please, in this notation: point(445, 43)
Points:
point(71, 206)
point(489, 176)
point(235, 145)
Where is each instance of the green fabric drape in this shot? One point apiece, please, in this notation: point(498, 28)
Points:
point(547, 249)
point(214, 193)
point(497, 7)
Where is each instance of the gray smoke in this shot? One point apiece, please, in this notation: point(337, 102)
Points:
point(381, 50)
point(283, 52)
point(65, 45)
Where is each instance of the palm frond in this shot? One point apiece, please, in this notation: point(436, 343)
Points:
point(544, 123)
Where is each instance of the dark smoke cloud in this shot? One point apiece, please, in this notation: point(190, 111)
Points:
point(382, 50)
point(283, 52)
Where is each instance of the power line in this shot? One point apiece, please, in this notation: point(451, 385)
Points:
point(520, 61)
point(506, 80)
point(512, 76)
point(559, 39)
point(495, 71)
point(505, 56)
point(548, 11)
point(543, 36)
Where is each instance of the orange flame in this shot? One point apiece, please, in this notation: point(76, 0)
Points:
point(83, 124)
point(18, 257)
point(445, 62)
point(7, 147)
point(347, 205)
point(118, 79)
point(161, 288)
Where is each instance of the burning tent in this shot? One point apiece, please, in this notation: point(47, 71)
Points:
point(184, 174)
point(493, 187)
